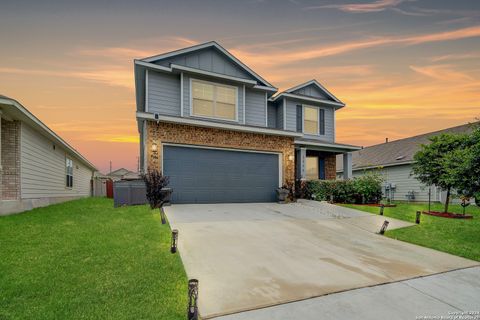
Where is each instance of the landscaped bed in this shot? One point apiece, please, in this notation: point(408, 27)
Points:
point(86, 260)
point(456, 236)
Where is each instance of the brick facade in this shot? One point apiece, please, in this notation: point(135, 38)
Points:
point(185, 134)
point(331, 167)
point(10, 170)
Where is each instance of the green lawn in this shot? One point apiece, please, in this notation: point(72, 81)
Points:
point(86, 260)
point(458, 237)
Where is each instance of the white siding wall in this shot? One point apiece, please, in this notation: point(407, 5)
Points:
point(43, 169)
point(400, 176)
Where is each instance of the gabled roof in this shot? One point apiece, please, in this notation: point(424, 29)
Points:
point(17, 111)
point(210, 44)
point(398, 152)
point(119, 172)
point(290, 93)
point(318, 85)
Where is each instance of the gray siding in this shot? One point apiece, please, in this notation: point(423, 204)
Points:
point(329, 121)
point(272, 115)
point(255, 109)
point(163, 93)
point(312, 91)
point(186, 95)
point(291, 115)
point(280, 110)
point(43, 169)
point(401, 177)
point(208, 59)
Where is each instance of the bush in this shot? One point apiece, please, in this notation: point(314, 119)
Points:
point(363, 189)
point(368, 188)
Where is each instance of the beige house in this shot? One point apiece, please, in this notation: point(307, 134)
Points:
point(37, 167)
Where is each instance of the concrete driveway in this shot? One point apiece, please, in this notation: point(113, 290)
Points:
point(249, 256)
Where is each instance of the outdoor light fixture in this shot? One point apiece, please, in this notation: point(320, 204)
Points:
point(154, 147)
point(382, 206)
point(173, 247)
point(384, 227)
point(417, 217)
point(290, 158)
point(192, 299)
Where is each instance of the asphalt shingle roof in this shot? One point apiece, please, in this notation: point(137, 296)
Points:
point(395, 152)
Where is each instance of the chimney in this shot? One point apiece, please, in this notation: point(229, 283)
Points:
point(386, 140)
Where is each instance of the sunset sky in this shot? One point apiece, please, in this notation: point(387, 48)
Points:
point(402, 67)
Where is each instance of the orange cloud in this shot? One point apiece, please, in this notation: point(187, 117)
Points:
point(376, 6)
point(277, 57)
point(442, 72)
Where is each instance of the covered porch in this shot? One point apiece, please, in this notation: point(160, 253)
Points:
point(316, 160)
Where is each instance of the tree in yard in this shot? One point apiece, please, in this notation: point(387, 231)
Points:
point(463, 166)
point(157, 196)
point(434, 162)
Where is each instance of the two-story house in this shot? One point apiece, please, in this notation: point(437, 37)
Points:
point(222, 133)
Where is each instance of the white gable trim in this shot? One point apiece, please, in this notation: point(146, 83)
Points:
point(304, 98)
point(175, 67)
point(316, 83)
point(208, 45)
point(212, 74)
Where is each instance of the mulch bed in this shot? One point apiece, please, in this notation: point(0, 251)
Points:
point(450, 215)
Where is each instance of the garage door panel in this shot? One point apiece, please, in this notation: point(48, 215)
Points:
point(199, 175)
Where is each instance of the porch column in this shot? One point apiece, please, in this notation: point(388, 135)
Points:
point(302, 162)
point(347, 165)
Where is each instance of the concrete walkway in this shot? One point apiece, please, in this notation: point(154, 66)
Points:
point(249, 256)
point(446, 294)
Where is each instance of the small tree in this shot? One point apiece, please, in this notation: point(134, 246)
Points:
point(155, 182)
point(434, 161)
point(464, 166)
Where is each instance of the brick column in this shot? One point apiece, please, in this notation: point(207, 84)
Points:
point(10, 159)
point(1, 183)
point(331, 167)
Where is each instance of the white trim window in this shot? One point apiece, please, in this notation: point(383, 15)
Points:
point(212, 100)
point(69, 173)
point(310, 120)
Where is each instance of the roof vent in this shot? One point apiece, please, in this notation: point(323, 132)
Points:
point(400, 158)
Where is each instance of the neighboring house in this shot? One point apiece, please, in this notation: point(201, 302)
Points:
point(222, 134)
point(123, 174)
point(394, 161)
point(38, 167)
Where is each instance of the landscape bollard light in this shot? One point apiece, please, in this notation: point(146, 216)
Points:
point(384, 227)
point(382, 206)
point(173, 247)
point(417, 217)
point(192, 299)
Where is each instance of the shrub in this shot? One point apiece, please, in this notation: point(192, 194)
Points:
point(154, 183)
point(368, 188)
point(364, 189)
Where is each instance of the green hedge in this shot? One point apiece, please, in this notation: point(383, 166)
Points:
point(364, 189)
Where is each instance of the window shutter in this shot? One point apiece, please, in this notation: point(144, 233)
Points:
point(299, 118)
point(321, 123)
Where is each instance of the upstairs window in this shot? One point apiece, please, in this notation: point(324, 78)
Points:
point(69, 172)
point(310, 120)
point(214, 100)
